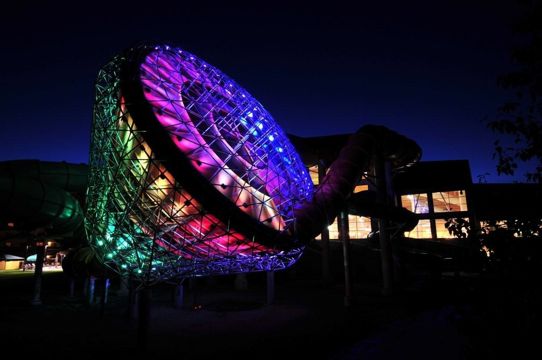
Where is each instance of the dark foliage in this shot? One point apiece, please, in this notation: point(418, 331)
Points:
point(519, 120)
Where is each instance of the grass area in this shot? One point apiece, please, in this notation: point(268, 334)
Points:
point(30, 273)
point(15, 273)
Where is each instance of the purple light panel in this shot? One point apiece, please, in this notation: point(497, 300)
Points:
point(232, 141)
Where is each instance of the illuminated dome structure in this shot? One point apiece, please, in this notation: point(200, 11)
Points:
point(189, 174)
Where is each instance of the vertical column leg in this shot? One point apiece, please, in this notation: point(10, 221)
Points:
point(270, 287)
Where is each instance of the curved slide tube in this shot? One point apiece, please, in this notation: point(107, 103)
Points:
point(37, 194)
point(63, 175)
point(355, 158)
point(365, 203)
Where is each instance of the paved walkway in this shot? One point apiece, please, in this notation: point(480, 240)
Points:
point(305, 319)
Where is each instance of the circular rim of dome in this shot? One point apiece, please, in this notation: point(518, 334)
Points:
point(176, 161)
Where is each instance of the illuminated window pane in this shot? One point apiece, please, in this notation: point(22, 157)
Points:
point(450, 201)
point(359, 226)
point(416, 203)
point(494, 225)
point(361, 188)
point(333, 231)
point(313, 172)
point(421, 231)
point(503, 224)
point(442, 232)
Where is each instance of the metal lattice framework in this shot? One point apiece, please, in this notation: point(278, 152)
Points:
point(189, 174)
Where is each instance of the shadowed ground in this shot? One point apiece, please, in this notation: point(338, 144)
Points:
point(431, 316)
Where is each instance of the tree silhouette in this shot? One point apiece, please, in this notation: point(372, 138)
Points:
point(519, 120)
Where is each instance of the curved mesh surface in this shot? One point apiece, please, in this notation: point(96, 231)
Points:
point(189, 174)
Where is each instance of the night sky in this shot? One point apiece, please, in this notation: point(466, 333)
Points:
point(426, 69)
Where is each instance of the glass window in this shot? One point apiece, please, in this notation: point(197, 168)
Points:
point(493, 225)
point(333, 232)
point(313, 172)
point(517, 227)
point(360, 188)
point(442, 232)
point(421, 231)
point(449, 201)
point(417, 203)
point(359, 228)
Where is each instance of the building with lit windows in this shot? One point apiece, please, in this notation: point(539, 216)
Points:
point(436, 191)
point(440, 190)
